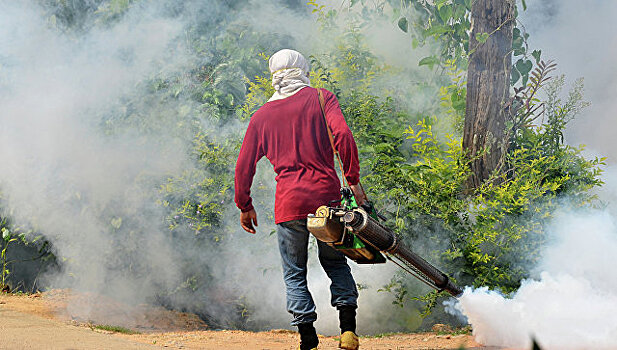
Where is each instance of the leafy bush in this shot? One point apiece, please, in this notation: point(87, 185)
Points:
point(18, 248)
point(493, 236)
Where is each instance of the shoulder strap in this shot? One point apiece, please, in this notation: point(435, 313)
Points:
point(323, 114)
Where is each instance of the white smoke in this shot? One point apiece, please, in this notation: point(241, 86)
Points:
point(573, 303)
point(59, 170)
point(579, 36)
point(92, 194)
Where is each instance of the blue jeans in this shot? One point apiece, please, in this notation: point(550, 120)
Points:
point(293, 239)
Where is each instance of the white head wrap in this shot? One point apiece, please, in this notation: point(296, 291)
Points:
point(289, 73)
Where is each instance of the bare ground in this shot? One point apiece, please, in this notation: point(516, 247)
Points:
point(50, 321)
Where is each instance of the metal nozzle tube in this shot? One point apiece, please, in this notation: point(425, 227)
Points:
point(369, 230)
point(383, 239)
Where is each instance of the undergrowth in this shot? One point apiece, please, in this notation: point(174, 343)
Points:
point(115, 329)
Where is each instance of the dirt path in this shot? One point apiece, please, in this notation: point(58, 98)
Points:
point(37, 322)
point(19, 330)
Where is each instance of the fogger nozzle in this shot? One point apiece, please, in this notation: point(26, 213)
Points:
point(381, 238)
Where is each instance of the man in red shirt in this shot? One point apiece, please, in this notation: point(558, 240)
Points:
point(290, 131)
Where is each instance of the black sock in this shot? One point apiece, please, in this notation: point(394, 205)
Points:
point(347, 318)
point(308, 336)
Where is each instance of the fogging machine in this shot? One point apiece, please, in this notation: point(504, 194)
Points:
point(356, 232)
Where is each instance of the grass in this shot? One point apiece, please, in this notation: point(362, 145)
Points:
point(464, 330)
point(457, 331)
point(381, 335)
point(115, 329)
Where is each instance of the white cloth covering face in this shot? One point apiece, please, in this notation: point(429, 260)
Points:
point(290, 72)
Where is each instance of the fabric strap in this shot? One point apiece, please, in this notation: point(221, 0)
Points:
point(336, 154)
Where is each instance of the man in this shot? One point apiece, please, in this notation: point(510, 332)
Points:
point(290, 131)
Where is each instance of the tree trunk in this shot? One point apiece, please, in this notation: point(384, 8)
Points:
point(488, 86)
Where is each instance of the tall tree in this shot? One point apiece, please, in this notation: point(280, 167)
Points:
point(488, 83)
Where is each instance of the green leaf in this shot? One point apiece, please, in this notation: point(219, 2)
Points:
point(524, 66)
point(429, 61)
point(445, 13)
point(459, 10)
point(403, 24)
point(514, 76)
point(116, 222)
point(524, 5)
point(536, 54)
point(438, 29)
point(482, 37)
point(459, 104)
point(517, 43)
point(516, 33)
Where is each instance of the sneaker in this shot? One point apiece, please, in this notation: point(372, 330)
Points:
point(349, 341)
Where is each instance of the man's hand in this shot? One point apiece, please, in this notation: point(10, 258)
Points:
point(247, 219)
point(358, 193)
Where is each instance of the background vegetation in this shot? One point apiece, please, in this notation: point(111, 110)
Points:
point(413, 164)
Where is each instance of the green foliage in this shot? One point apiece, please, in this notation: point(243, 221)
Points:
point(17, 238)
point(448, 23)
point(7, 239)
point(198, 105)
point(492, 237)
point(453, 98)
point(259, 90)
point(397, 288)
point(197, 198)
point(115, 329)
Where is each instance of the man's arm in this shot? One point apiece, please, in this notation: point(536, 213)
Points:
point(250, 153)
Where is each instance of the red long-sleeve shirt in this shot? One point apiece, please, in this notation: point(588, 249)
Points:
point(291, 133)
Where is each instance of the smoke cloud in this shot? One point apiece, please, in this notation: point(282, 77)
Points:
point(579, 36)
point(61, 175)
point(571, 305)
point(91, 187)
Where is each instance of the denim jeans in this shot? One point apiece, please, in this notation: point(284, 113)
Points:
point(293, 239)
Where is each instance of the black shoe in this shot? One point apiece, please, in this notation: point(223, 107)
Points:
point(308, 336)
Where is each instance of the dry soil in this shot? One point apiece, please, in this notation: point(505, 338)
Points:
point(49, 321)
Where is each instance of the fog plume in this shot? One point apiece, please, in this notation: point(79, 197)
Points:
point(76, 167)
point(572, 302)
point(579, 36)
point(60, 173)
